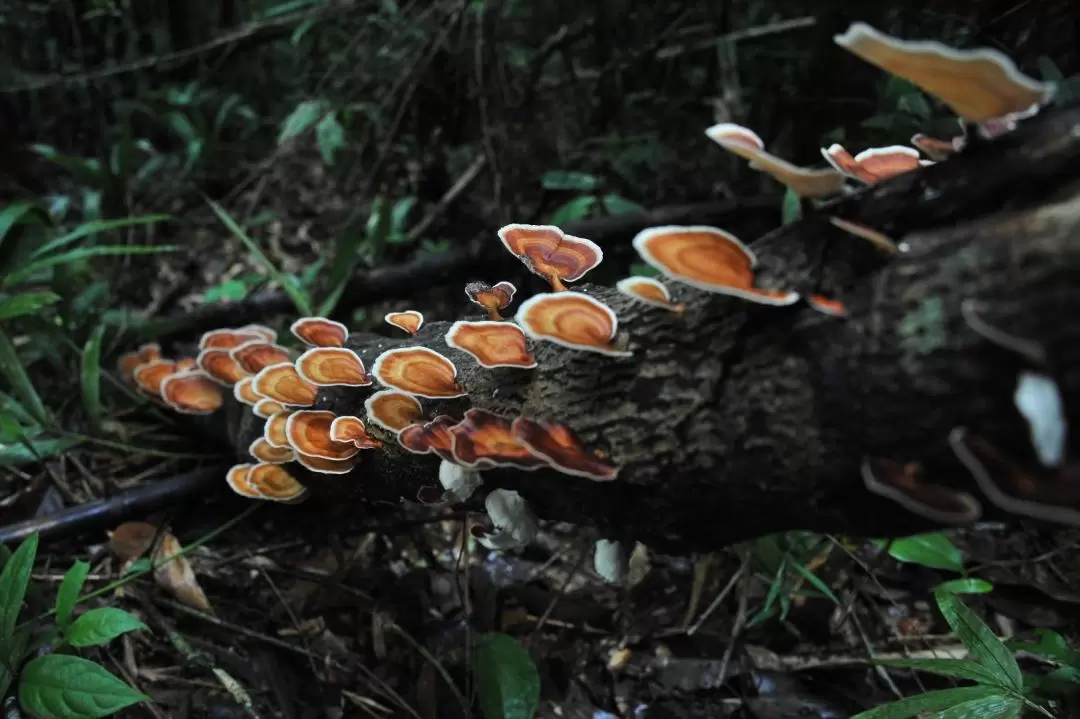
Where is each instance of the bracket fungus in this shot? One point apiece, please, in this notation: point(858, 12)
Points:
point(130, 361)
point(491, 343)
point(1039, 493)
point(827, 306)
point(514, 523)
point(457, 481)
point(320, 332)
point(938, 150)
point(650, 291)
point(273, 482)
point(1038, 399)
point(244, 392)
point(708, 259)
point(410, 321)
point(393, 410)
point(551, 253)
point(561, 449)
point(263, 451)
point(239, 480)
point(571, 319)
point(270, 335)
point(875, 164)
point(186, 363)
point(332, 367)
point(484, 440)
point(491, 297)
point(267, 408)
point(191, 392)
point(419, 371)
point(283, 383)
point(149, 376)
point(433, 436)
point(347, 428)
point(905, 484)
point(803, 181)
point(257, 355)
point(322, 465)
point(980, 85)
point(227, 338)
point(274, 429)
point(308, 433)
point(219, 364)
point(878, 239)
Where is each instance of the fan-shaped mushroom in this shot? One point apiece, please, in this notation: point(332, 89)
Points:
point(219, 364)
point(320, 332)
point(571, 319)
point(875, 164)
point(491, 343)
point(244, 392)
point(650, 291)
point(263, 451)
point(332, 366)
point(393, 410)
point(491, 297)
point(347, 428)
point(804, 182)
point(419, 371)
point(283, 383)
point(308, 433)
point(410, 320)
point(191, 392)
point(550, 253)
point(433, 436)
point(257, 355)
point(560, 447)
point(483, 439)
point(239, 480)
point(273, 482)
point(905, 484)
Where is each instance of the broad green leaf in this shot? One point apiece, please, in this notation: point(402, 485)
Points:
point(27, 303)
point(61, 686)
point(102, 625)
point(13, 583)
point(790, 208)
point(91, 374)
point(330, 137)
point(68, 596)
point(233, 290)
point(95, 227)
point(300, 299)
point(1051, 645)
point(619, 205)
point(507, 683)
point(16, 650)
point(957, 668)
point(968, 585)
point(929, 550)
point(11, 368)
point(922, 704)
point(984, 646)
point(992, 707)
point(569, 180)
point(576, 209)
point(305, 115)
point(83, 253)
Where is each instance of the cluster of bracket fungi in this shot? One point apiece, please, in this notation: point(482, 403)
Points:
point(983, 87)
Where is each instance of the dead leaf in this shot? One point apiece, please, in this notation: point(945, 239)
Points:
point(131, 540)
point(177, 575)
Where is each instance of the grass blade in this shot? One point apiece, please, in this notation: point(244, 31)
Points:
point(20, 383)
point(82, 253)
point(94, 227)
point(26, 303)
point(91, 375)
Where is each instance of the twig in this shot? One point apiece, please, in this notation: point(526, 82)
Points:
point(447, 199)
point(720, 597)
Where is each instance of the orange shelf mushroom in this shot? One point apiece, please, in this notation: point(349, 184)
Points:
point(321, 465)
point(227, 338)
point(239, 480)
point(803, 181)
point(709, 259)
point(332, 367)
point(129, 361)
point(267, 408)
point(905, 484)
point(551, 253)
point(192, 392)
point(433, 436)
point(981, 85)
point(267, 333)
point(650, 291)
point(410, 320)
point(186, 363)
point(219, 364)
point(257, 355)
point(419, 371)
point(827, 306)
point(283, 383)
point(875, 164)
point(244, 392)
point(263, 451)
point(561, 449)
point(491, 297)
point(483, 440)
point(149, 376)
point(491, 343)
point(320, 332)
point(878, 239)
point(308, 432)
point(571, 319)
point(274, 429)
point(393, 410)
point(938, 150)
point(273, 482)
point(347, 428)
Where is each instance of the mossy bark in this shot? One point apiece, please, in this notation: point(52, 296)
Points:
point(734, 420)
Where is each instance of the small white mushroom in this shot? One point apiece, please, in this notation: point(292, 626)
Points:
point(611, 560)
point(1037, 398)
point(515, 525)
point(458, 481)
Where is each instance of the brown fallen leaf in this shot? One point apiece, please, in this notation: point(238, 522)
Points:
point(131, 540)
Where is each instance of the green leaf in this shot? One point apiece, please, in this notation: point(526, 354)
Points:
point(815, 580)
point(12, 215)
point(1049, 644)
point(929, 550)
point(967, 585)
point(91, 374)
point(12, 369)
point(929, 702)
point(34, 450)
point(82, 253)
point(233, 290)
point(95, 227)
point(13, 583)
point(957, 668)
point(26, 303)
point(640, 269)
point(302, 117)
point(102, 625)
point(790, 208)
point(569, 180)
point(619, 205)
point(507, 683)
point(992, 707)
point(915, 104)
point(61, 686)
point(330, 137)
point(68, 596)
point(576, 209)
point(984, 646)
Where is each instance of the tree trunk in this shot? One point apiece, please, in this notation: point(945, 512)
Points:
point(735, 420)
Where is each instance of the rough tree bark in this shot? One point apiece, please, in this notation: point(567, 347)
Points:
point(735, 420)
